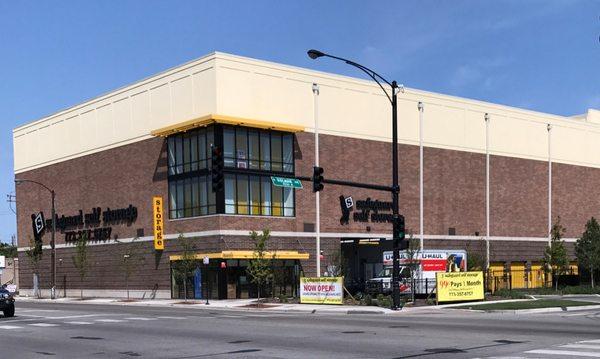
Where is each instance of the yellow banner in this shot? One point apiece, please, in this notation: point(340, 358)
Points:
point(459, 286)
point(323, 290)
point(157, 204)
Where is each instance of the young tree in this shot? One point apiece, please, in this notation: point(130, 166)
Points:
point(413, 264)
point(555, 255)
point(131, 258)
point(81, 260)
point(587, 248)
point(34, 254)
point(259, 268)
point(188, 261)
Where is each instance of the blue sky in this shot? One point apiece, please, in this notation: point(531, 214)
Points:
point(540, 55)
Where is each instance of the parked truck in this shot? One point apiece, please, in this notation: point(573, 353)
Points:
point(424, 265)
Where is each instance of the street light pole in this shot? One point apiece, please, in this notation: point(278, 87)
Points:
point(52, 238)
point(314, 54)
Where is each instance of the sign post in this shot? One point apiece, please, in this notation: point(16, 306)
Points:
point(157, 203)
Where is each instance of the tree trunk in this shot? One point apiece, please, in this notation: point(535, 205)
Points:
point(185, 288)
point(258, 302)
point(127, 286)
point(592, 274)
point(555, 277)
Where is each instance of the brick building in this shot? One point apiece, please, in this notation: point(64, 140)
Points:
point(108, 157)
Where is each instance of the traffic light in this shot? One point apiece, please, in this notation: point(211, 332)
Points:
point(317, 179)
point(400, 232)
point(217, 169)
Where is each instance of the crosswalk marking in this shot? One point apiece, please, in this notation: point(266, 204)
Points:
point(9, 327)
point(582, 346)
point(175, 318)
point(140, 318)
point(43, 325)
point(79, 323)
point(565, 352)
point(110, 320)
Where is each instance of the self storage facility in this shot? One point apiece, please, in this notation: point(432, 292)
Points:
point(107, 158)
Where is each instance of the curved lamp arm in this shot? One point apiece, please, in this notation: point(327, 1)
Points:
point(19, 181)
point(314, 54)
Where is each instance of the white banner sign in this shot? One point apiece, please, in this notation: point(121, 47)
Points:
point(323, 290)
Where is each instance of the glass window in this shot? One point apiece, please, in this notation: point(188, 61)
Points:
point(253, 150)
point(229, 146)
point(173, 199)
point(255, 195)
point(230, 191)
point(178, 154)
point(171, 155)
point(277, 195)
point(242, 194)
point(265, 151)
point(241, 147)
point(266, 196)
point(276, 158)
point(288, 202)
point(288, 153)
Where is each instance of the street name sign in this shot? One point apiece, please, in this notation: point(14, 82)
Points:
point(286, 182)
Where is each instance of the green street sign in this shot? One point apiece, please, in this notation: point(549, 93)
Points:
point(286, 182)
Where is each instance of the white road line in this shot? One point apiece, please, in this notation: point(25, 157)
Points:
point(110, 320)
point(78, 316)
point(79, 323)
point(582, 346)
point(43, 325)
point(140, 318)
point(9, 327)
point(590, 341)
point(565, 352)
point(175, 318)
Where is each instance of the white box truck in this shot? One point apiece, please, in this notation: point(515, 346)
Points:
point(428, 263)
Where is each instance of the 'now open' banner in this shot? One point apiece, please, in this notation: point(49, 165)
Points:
point(323, 290)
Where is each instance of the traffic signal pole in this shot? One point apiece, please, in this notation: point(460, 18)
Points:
point(398, 221)
point(395, 206)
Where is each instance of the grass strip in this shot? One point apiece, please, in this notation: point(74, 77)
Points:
point(530, 304)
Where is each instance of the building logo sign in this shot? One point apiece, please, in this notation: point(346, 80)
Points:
point(38, 224)
point(157, 204)
point(367, 210)
point(95, 225)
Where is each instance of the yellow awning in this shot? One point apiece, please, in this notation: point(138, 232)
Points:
point(245, 255)
point(227, 120)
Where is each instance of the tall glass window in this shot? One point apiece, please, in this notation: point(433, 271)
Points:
point(250, 157)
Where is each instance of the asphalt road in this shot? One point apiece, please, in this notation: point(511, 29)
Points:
point(41, 330)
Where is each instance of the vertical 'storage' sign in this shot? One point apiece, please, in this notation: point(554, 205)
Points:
point(157, 203)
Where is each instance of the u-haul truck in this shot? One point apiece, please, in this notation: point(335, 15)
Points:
point(428, 263)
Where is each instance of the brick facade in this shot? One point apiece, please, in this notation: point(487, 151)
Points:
point(454, 187)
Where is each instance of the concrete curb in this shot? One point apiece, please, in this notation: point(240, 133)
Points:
point(231, 306)
point(544, 310)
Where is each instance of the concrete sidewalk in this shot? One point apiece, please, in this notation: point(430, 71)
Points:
point(231, 304)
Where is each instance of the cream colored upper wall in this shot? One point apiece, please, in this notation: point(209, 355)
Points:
point(358, 108)
point(120, 117)
point(237, 86)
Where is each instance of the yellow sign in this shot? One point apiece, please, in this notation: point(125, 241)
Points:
point(323, 290)
point(157, 203)
point(459, 286)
